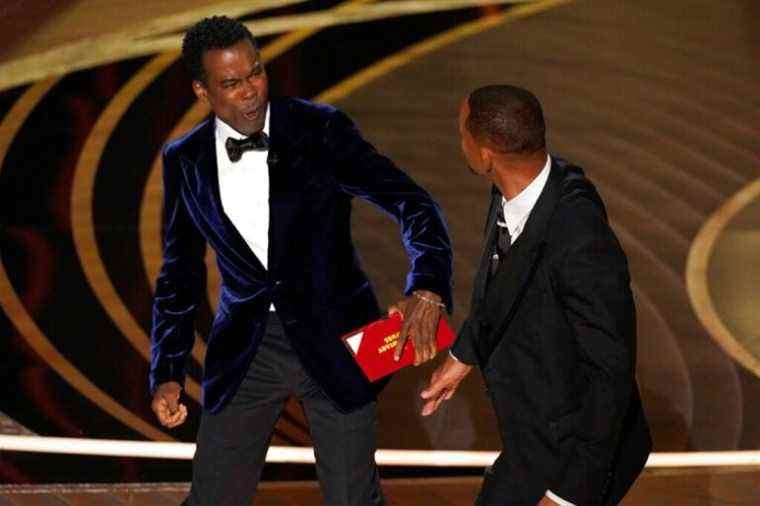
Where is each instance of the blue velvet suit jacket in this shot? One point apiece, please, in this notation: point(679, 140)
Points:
point(318, 161)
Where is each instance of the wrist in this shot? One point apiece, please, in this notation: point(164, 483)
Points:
point(428, 298)
point(428, 294)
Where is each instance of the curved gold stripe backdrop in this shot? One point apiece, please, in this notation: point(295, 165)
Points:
point(139, 42)
point(696, 268)
point(696, 277)
point(23, 321)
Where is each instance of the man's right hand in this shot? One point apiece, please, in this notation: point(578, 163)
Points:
point(443, 384)
point(170, 412)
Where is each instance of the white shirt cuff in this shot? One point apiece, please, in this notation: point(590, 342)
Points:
point(558, 499)
point(453, 356)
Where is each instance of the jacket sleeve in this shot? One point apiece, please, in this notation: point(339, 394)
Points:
point(363, 172)
point(463, 348)
point(593, 285)
point(180, 285)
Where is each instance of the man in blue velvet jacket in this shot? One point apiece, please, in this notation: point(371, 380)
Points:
point(268, 184)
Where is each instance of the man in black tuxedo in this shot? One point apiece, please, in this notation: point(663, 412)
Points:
point(552, 322)
point(268, 184)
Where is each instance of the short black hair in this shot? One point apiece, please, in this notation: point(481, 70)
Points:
point(216, 32)
point(508, 118)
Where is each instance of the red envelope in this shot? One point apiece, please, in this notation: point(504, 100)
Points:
point(373, 346)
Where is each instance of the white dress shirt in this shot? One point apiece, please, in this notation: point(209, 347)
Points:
point(244, 190)
point(517, 209)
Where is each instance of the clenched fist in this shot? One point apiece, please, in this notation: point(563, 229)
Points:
point(170, 412)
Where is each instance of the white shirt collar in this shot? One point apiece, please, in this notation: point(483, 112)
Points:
point(223, 130)
point(517, 209)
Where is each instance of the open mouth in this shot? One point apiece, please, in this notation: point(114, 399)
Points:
point(252, 114)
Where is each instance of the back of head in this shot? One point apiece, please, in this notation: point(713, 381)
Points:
point(217, 32)
point(507, 119)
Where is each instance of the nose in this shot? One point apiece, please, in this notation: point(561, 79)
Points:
point(249, 88)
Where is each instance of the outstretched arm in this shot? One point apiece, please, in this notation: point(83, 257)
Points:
point(363, 172)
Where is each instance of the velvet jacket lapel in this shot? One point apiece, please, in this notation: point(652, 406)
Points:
point(202, 172)
point(515, 271)
point(288, 177)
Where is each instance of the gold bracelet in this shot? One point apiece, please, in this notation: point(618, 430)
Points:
point(428, 300)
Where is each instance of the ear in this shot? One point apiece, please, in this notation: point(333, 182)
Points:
point(200, 91)
point(486, 156)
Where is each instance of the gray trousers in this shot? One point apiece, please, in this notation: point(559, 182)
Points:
point(232, 444)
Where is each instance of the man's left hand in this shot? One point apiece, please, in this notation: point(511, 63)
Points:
point(545, 501)
point(443, 384)
point(420, 312)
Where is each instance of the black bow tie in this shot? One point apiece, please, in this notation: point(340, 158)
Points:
point(255, 142)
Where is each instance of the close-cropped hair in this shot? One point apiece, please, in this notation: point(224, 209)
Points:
point(216, 32)
point(506, 118)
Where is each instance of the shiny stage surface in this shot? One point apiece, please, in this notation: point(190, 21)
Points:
point(686, 487)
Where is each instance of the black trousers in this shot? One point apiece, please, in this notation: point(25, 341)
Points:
point(232, 444)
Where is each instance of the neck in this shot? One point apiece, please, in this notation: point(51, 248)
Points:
point(512, 173)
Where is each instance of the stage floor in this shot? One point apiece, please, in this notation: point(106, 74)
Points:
point(683, 487)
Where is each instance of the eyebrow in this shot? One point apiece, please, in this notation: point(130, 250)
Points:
point(230, 80)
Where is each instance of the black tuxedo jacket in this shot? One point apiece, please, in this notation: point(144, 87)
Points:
point(318, 161)
point(555, 335)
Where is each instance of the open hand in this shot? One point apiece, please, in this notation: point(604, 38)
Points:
point(443, 383)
